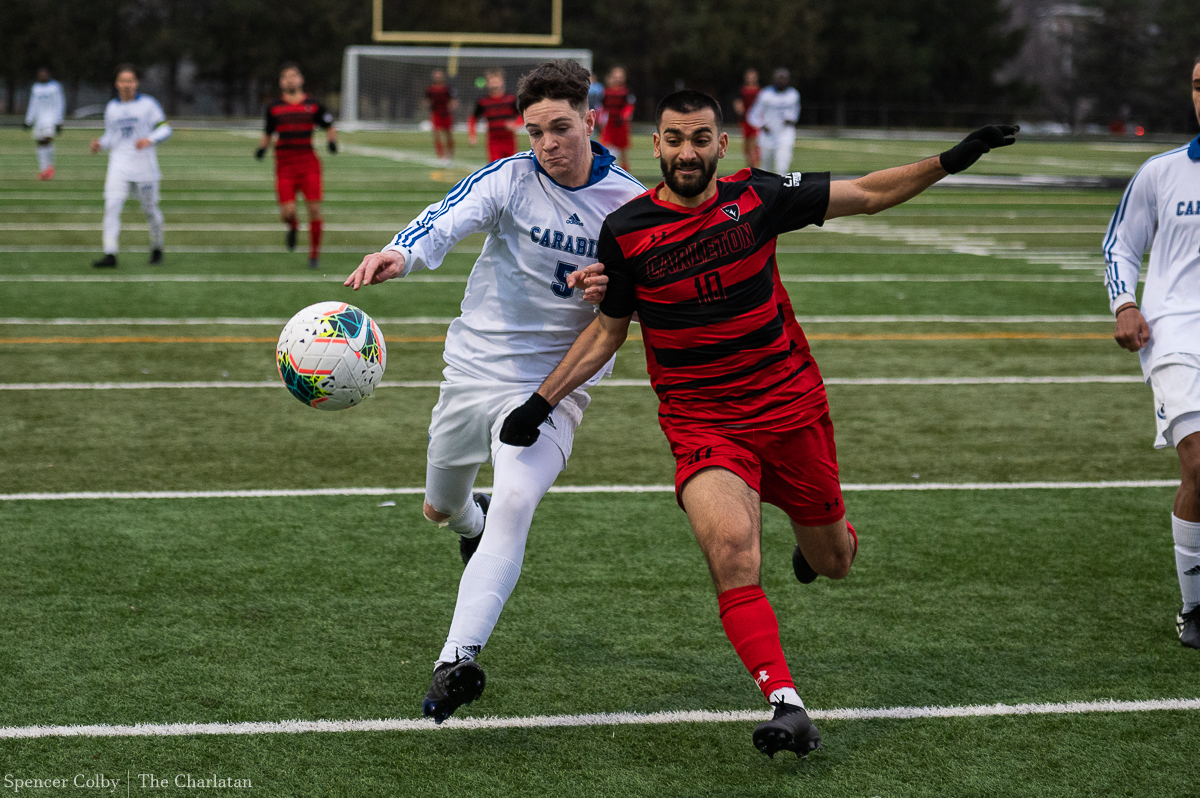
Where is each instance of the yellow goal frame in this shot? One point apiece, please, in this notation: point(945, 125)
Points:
point(553, 38)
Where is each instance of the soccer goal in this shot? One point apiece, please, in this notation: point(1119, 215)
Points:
point(387, 84)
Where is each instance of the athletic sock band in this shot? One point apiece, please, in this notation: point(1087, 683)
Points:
point(752, 628)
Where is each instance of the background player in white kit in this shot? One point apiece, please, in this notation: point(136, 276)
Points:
point(775, 112)
point(542, 211)
point(1161, 212)
point(45, 117)
point(134, 124)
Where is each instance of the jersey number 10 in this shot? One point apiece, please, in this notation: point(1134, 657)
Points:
point(709, 288)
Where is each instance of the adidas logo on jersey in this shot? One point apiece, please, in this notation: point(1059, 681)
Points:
point(574, 219)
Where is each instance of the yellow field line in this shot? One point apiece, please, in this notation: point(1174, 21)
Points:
point(437, 339)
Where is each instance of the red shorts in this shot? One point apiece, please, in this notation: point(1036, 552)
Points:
point(794, 468)
point(442, 121)
point(501, 147)
point(298, 174)
point(615, 136)
point(749, 131)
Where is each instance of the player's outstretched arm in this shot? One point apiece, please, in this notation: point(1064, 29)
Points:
point(591, 350)
point(376, 268)
point(890, 187)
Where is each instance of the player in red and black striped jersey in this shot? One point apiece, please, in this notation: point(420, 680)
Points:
point(442, 100)
point(616, 109)
point(741, 399)
point(290, 123)
point(743, 104)
point(499, 109)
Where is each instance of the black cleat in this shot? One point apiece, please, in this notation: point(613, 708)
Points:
point(466, 545)
point(107, 262)
point(155, 257)
point(454, 684)
point(1188, 626)
point(804, 572)
point(291, 239)
point(314, 263)
point(789, 730)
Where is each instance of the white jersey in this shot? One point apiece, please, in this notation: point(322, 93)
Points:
point(773, 110)
point(1160, 212)
point(46, 108)
point(124, 125)
point(518, 316)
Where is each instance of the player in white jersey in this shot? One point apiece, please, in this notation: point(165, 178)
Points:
point(527, 299)
point(134, 124)
point(775, 112)
point(45, 117)
point(1160, 211)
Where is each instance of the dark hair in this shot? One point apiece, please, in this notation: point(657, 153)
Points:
point(126, 68)
point(561, 79)
point(290, 65)
point(1197, 61)
point(688, 101)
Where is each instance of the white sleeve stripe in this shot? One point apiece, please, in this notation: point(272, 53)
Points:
point(420, 227)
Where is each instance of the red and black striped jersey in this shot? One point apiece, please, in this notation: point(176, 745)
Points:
point(722, 343)
point(294, 122)
point(439, 97)
point(500, 112)
point(614, 103)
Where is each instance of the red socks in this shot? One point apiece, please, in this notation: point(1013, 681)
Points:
point(751, 626)
point(314, 237)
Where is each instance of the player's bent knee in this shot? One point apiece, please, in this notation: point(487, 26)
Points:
point(433, 515)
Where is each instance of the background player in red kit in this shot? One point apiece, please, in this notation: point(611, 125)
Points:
point(290, 123)
point(499, 109)
point(741, 399)
point(442, 101)
point(742, 104)
point(616, 109)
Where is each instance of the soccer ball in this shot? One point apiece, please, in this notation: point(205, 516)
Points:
point(331, 355)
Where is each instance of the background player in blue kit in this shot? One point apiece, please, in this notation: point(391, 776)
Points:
point(1160, 212)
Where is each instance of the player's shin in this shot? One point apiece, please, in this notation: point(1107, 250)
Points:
point(315, 229)
point(752, 628)
point(1187, 560)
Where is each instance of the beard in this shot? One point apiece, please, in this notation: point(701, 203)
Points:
point(688, 187)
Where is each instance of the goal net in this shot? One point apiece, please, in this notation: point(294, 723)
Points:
point(387, 84)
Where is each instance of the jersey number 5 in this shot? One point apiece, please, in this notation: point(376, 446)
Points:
point(559, 286)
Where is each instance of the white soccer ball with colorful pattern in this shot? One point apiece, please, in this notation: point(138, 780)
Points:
point(331, 356)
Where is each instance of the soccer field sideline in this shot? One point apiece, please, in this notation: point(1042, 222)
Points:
point(596, 719)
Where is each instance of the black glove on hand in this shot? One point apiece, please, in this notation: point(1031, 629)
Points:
point(260, 152)
point(332, 147)
point(967, 151)
point(521, 426)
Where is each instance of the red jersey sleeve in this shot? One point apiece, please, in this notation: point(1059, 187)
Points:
point(620, 296)
point(793, 200)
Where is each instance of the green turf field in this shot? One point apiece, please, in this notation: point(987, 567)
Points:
point(331, 608)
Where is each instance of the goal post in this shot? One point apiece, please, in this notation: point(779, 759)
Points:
point(552, 39)
point(386, 85)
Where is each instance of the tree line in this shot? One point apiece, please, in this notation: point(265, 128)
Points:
point(1127, 59)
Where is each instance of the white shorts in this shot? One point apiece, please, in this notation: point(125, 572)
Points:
point(43, 130)
point(1176, 386)
point(465, 429)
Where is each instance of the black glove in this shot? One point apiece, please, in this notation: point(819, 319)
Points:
point(260, 152)
point(521, 426)
point(332, 146)
point(967, 151)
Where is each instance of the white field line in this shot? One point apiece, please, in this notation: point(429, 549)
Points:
point(596, 719)
point(252, 321)
point(430, 278)
point(611, 383)
point(305, 492)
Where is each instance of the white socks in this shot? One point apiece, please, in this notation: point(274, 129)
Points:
point(45, 156)
point(786, 695)
point(523, 475)
point(1187, 560)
